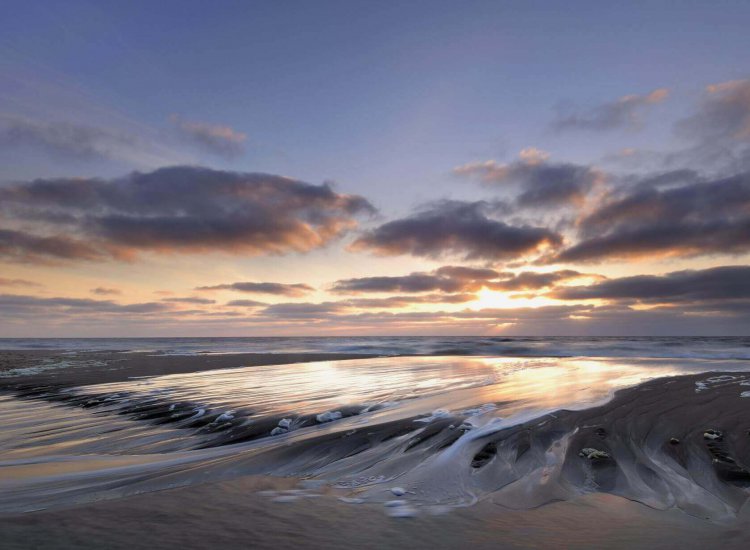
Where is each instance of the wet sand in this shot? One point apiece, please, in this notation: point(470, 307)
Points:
point(233, 514)
point(663, 464)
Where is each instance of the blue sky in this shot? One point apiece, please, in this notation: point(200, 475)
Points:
point(384, 99)
point(377, 96)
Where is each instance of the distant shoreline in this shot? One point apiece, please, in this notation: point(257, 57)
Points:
point(85, 368)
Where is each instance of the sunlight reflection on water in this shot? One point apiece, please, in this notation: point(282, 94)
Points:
point(294, 419)
point(379, 389)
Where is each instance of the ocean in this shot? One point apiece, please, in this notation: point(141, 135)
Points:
point(696, 347)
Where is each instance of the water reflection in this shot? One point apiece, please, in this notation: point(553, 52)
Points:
point(376, 390)
point(566, 382)
point(342, 420)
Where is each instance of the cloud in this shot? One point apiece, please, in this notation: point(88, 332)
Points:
point(96, 313)
point(553, 320)
point(465, 281)
point(189, 300)
point(171, 210)
point(415, 282)
point(18, 282)
point(705, 218)
point(350, 310)
point(404, 301)
point(680, 303)
point(456, 228)
point(245, 303)
point(716, 283)
point(465, 273)
point(15, 304)
point(724, 113)
point(279, 289)
point(213, 138)
point(20, 246)
point(105, 291)
point(718, 132)
point(664, 180)
point(704, 317)
point(541, 183)
point(622, 113)
point(532, 155)
point(449, 278)
point(66, 139)
point(304, 310)
point(531, 280)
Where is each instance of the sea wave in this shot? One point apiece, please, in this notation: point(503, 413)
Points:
point(668, 347)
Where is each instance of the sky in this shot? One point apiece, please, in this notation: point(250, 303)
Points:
point(374, 168)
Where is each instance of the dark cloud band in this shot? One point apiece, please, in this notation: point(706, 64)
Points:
point(173, 210)
point(709, 217)
point(280, 289)
point(459, 229)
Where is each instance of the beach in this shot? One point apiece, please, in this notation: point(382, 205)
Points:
point(342, 275)
point(233, 515)
point(119, 449)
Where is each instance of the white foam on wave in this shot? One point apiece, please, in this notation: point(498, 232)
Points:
point(49, 365)
point(328, 416)
point(225, 417)
point(198, 413)
point(721, 380)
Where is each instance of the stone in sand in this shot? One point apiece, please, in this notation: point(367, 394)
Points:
point(593, 454)
point(713, 434)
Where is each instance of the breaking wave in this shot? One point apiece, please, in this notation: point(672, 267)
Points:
point(666, 347)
